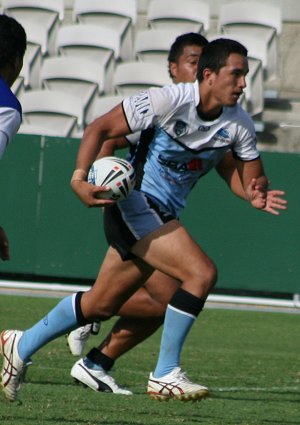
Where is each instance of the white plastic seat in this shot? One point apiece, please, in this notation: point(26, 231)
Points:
point(47, 130)
point(119, 15)
point(99, 44)
point(32, 65)
point(262, 20)
point(18, 86)
point(40, 18)
point(153, 45)
point(58, 113)
point(132, 77)
point(185, 16)
point(77, 76)
point(255, 87)
point(101, 105)
point(69, 4)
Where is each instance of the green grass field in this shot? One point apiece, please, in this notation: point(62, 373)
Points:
point(249, 360)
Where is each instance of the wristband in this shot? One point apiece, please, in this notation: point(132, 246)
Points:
point(79, 175)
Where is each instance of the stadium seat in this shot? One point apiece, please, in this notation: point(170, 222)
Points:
point(101, 105)
point(40, 18)
point(254, 91)
point(154, 44)
point(262, 20)
point(57, 113)
point(18, 86)
point(77, 76)
point(69, 4)
point(132, 77)
point(185, 16)
point(119, 15)
point(32, 65)
point(96, 43)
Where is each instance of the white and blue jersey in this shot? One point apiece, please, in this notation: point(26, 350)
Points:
point(175, 149)
point(184, 147)
point(10, 115)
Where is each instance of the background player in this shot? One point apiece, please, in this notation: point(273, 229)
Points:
point(12, 50)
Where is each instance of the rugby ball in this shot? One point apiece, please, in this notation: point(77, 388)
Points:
point(117, 173)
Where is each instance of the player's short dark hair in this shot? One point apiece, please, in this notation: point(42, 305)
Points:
point(215, 54)
point(12, 40)
point(183, 40)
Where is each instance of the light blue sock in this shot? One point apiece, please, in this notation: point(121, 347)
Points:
point(58, 321)
point(176, 327)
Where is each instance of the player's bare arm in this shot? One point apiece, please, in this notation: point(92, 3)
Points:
point(228, 171)
point(109, 147)
point(109, 126)
point(256, 187)
point(4, 245)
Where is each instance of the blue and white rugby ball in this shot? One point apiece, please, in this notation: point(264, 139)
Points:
point(117, 173)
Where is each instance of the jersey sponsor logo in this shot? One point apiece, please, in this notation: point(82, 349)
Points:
point(204, 128)
point(193, 165)
point(180, 128)
point(142, 104)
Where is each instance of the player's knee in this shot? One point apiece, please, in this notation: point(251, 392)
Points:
point(105, 311)
point(211, 275)
point(207, 276)
point(94, 307)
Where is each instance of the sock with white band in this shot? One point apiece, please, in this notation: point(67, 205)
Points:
point(181, 313)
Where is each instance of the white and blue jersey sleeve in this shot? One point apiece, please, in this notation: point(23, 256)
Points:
point(10, 115)
point(184, 147)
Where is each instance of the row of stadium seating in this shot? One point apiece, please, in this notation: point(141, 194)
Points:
point(102, 53)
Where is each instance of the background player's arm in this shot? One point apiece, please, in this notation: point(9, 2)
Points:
point(4, 245)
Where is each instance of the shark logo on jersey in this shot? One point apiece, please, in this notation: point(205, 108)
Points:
point(222, 136)
point(180, 128)
point(223, 133)
point(142, 104)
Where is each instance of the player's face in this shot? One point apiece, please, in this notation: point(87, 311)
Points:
point(229, 83)
point(185, 70)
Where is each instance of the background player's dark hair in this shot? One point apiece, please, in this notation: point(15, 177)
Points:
point(12, 40)
point(183, 40)
point(215, 54)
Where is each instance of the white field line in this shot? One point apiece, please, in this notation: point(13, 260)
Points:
point(227, 299)
point(256, 389)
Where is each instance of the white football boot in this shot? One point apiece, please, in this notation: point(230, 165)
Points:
point(78, 338)
point(97, 380)
point(13, 369)
point(175, 385)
